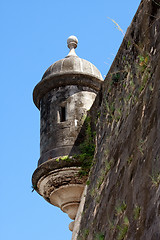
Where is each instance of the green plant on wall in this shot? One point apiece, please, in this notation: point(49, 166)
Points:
point(84, 234)
point(93, 192)
point(108, 165)
point(128, 43)
point(120, 208)
point(143, 71)
point(130, 159)
point(136, 212)
point(101, 178)
point(99, 236)
point(123, 229)
point(141, 146)
point(115, 78)
point(64, 158)
point(111, 225)
point(143, 62)
point(87, 149)
point(155, 179)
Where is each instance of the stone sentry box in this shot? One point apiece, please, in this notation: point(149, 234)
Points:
point(64, 95)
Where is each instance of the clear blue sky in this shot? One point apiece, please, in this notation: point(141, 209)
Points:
point(33, 36)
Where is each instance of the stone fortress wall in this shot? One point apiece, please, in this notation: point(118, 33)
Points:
point(123, 192)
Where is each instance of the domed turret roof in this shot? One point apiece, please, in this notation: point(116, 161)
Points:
point(72, 64)
point(70, 70)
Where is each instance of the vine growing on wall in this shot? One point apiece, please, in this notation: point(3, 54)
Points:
point(87, 149)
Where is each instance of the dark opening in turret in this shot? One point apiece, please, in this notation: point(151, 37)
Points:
point(63, 114)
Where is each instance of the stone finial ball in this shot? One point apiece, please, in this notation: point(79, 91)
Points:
point(72, 42)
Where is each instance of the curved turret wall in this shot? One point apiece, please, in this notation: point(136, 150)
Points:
point(63, 111)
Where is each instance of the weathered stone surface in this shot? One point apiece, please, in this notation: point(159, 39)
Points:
point(63, 80)
point(63, 188)
point(77, 221)
point(57, 178)
point(64, 95)
point(123, 197)
point(58, 137)
point(50, 165)
point(73, 65)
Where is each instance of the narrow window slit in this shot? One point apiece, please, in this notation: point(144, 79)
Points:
point(63, 114)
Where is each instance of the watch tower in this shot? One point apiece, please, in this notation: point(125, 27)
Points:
point(64, 95)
